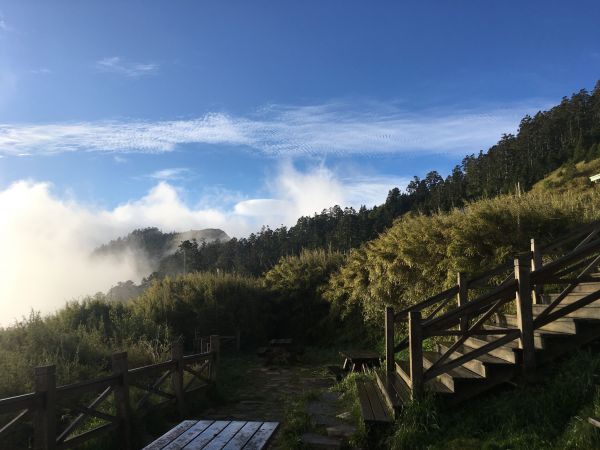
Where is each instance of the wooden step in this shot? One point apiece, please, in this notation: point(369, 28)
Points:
point(541, 338)
point(572, 297)
point(590, 312)
point(564, 325)
point(454, 378)
point(435, 385)
point(394, 389)
point(504, 352)
point(587, 287)
point(481, 365)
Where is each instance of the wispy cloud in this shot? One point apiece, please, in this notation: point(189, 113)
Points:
point(3, 25)
point(117, 65)
point(175, 173)
point(333, 128)
point(41, 71)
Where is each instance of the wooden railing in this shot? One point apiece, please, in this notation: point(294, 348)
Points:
point(439, 316)
point(46, 405)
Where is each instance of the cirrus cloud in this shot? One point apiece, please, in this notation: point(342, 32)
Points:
point(117, 65)
point(334, 128)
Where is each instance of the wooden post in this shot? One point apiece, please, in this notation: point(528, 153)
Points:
point(121, 393)
point(214, 349)
point(177, 376)
point(463, 298)
point(525, 313)
point(390, 363)
point(44, 420)
point(536, 264)
point(415, 345)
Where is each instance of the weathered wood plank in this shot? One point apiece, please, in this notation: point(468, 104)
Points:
point(188, 435)
point(243, 436)
point(14, 421)
point(87, 435)
point(151, 368)
point(83, 387)
point(262, 437)
point(225, 436)
point(365, 404)
point(20, 402)
point(170, 435)
point(207, 435)
point(377, 403)
point(67, 431)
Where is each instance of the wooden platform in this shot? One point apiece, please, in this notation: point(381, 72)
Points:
point(216, 434)
point(372, 405)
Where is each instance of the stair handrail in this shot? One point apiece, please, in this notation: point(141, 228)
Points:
point(481, 279)
point(524, 284)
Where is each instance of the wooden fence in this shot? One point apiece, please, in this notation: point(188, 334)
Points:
point(44, 407)
point(452, 313)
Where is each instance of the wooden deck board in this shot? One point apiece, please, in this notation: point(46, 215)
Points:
point(216, 435)
point(224, 436)
point(170, 435)
point(185, 437)
point(207, 435)
point(243, 436)
point(262, 436)
point(379, 412)
point(365, 404)
point(372, 403)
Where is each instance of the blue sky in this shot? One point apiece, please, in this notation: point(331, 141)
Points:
point(233, 114)
point(222, 103)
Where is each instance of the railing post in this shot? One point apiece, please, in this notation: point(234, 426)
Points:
point(214, 349)
point(44, 421)
point(415, 345)
point(525, 313)
point(121, 393)
point(463, 298)
point(177, 376)
point(536, 264)
point(390, 363)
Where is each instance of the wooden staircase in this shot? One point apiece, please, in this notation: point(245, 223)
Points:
point(504, 332)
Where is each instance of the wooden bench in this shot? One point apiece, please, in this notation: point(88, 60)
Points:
point(372, 405)
point(360, 360)
point(216, 434)
point(281, 350)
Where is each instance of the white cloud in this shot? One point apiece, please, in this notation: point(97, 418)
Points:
point(117, 65)
point(46, 241)
point(290, 131)
point(176, 173)
point(41, 71)
point(3, 25)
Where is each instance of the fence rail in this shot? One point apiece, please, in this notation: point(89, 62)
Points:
point(43, 407)
point(440, 316)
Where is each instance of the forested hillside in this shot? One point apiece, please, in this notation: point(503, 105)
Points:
point(320, 285)
point(567, 133)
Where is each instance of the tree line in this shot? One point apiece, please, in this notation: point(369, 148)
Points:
point(568, 132)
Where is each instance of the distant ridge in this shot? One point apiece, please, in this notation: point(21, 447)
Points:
point(151, 244)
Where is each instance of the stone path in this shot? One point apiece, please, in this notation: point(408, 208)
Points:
point(266, 393)
point(332, 429)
